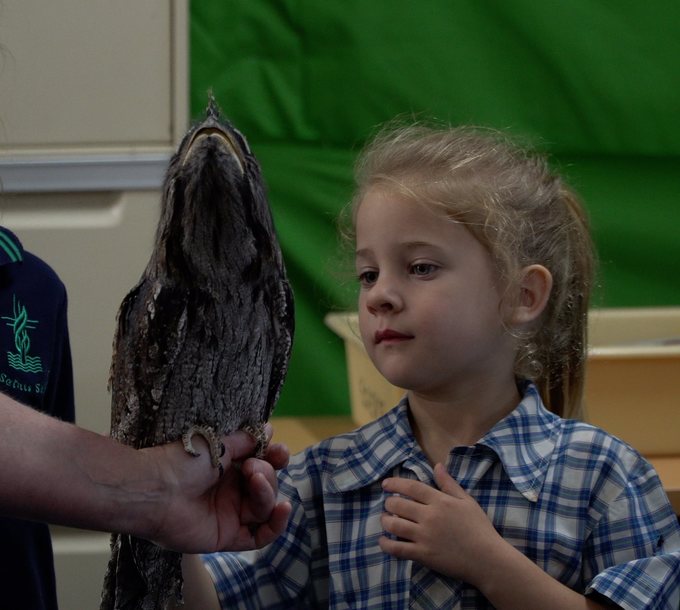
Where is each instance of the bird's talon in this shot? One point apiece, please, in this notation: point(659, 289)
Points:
point(259, 436)
point(215, 446)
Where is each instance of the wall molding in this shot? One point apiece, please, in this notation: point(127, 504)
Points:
point(83, 172)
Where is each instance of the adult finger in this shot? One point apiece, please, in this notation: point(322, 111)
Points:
point(258, 535)
point(253, 465)
point(261, 498)
point(272, 529)
point(238, 446)
point(277, 454)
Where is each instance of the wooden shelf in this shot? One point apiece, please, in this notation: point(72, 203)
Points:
point(668, 468)
point(300, 432)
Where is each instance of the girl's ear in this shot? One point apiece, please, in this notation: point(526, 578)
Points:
point(534, 290)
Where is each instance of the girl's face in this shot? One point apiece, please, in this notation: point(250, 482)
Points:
point(429, 304)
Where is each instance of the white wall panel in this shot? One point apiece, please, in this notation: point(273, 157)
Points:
point(98, 243)
point(87, 73)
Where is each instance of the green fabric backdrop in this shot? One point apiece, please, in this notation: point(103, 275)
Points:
point(595, 83)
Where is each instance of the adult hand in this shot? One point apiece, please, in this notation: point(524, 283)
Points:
point(444, 529)
point(207, 513)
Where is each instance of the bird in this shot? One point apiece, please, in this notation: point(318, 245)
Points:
point(203, 340)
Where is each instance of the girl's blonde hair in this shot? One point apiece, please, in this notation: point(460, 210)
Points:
point(522, 213)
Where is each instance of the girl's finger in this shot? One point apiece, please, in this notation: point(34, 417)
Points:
point(403, 507)
point(396, 548)
point(402, 528)
point(417, 490)
point(447, 483)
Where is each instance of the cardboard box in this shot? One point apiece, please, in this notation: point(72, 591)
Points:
point(633, 377)
point(370, 394)
point(632, 382)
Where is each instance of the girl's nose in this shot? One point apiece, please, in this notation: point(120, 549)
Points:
point(383, 297)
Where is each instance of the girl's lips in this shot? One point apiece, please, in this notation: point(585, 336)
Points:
point(390, 335)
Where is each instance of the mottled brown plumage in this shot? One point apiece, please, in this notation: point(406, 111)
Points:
point(205, 336)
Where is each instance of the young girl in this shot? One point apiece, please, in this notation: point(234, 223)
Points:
point(475, 265)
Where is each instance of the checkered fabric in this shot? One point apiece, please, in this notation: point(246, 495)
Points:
point(584, 506)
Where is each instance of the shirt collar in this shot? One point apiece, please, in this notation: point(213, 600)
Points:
point(523, 441)
point(375, 450)
point(11, 250)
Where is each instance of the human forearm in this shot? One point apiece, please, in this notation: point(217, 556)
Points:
point(57, 472)
point(511, 581)
point(54, 471)
point(198, 590)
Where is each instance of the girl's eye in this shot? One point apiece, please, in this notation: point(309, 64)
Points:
point(423, 268)
point(366, 278)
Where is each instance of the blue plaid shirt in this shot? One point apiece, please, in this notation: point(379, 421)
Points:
point(584, 506)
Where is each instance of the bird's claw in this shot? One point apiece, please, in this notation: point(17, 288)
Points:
point(258, 433)
point(216, 447)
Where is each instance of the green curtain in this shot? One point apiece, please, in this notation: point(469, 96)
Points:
point(594, 83)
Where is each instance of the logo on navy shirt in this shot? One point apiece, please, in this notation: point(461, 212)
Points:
point(21, 324)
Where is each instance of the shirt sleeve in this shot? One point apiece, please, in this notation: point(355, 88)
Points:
point(633, 554)
point(59, 400)
point(272, 578)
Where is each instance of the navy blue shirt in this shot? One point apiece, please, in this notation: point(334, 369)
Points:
point(35, 369)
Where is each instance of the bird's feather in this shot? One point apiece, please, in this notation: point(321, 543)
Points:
point(205, 337)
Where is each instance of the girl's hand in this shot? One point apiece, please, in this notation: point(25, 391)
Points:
point(445, 530)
